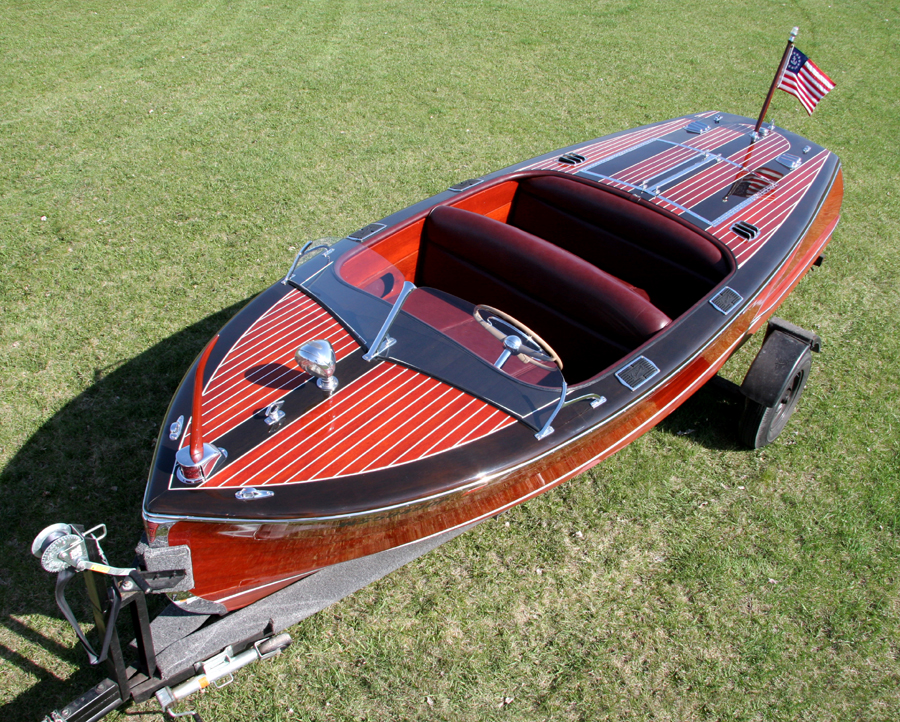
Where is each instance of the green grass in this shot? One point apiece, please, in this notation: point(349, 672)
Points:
point(161, 161)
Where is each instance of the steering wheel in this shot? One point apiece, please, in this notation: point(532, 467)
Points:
point(517, 339)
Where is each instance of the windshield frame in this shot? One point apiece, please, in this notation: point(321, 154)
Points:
point(362, 290)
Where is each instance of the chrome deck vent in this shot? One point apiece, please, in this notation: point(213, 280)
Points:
point(571, 158)
point(790, 161)
point(637, 373)
point(725, 300)
point(463, 185)
point(745, 230)
point(697, 127)
point(369, 230)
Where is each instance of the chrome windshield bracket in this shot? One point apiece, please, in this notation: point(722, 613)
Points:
point(382, 341)
point(595, 400)
point(303, 251)
point(548, 429)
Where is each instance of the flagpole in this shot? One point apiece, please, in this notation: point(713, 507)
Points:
point(784, 61)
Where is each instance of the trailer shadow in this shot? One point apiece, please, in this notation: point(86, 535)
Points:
point(710, 417)
point(86, 465)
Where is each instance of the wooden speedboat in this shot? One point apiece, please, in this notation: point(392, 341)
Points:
point(482, 346)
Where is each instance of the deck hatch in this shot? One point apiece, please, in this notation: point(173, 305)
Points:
point(637, 373)
point(725, 300)
point(463, 185)
point(745, 230)
point(369, 230)
point(572, 158)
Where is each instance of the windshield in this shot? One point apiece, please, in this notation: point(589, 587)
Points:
point(434, 332)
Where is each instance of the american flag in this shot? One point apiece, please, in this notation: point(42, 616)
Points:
point(803, 79)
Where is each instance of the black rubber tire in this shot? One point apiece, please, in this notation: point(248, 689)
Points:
point(760, 425)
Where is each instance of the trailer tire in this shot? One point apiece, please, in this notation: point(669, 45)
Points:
point(760, 425)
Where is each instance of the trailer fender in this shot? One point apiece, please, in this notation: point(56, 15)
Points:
point(783, 352)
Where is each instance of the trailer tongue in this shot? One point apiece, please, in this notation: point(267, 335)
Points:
point(162, 659)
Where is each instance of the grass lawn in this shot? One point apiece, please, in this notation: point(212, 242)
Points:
point(162, 161)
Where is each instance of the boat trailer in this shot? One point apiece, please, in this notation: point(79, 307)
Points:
point(161, 660)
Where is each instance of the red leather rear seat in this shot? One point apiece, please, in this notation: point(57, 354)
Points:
point(578, 308)
point(675, 264)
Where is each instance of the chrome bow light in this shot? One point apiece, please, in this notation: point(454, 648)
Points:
point(317, 359)
point(195, 468)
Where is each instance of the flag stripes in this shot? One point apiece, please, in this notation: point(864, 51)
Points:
point(803, 79)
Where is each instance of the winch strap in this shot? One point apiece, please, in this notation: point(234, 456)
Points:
point(115, 599)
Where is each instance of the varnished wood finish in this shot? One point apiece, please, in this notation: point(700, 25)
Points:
point(811, 247)
point(493, 202)
point(397, 456)
point(390, 416)
point(270, 552)
point(770, 216)
point(697, 188)
point(609, 146)
point(260, 367)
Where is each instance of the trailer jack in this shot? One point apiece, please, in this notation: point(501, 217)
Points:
point(167, 649)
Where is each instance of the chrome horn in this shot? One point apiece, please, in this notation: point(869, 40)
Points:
point(317, 359)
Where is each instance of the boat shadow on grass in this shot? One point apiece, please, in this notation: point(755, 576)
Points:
point(86, 465)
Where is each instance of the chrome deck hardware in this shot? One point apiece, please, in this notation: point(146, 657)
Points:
point(175, 428)
point(250, 494)
point(317, 358)
point(790, 161)
point(274, 414)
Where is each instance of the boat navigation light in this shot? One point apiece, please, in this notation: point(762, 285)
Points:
point(189, 470)
point(317, 359)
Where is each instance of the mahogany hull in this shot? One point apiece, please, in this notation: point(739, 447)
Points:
point(238, 558)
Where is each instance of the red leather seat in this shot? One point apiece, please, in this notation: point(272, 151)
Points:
point(578, 308)
point(674, 263)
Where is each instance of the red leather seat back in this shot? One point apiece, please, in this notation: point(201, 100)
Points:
point(674, 264)
point(579, 309)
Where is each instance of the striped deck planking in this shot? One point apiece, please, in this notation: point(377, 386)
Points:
point(722, 175)
point(391, 415)
point(260, 367)
point(771, 211)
